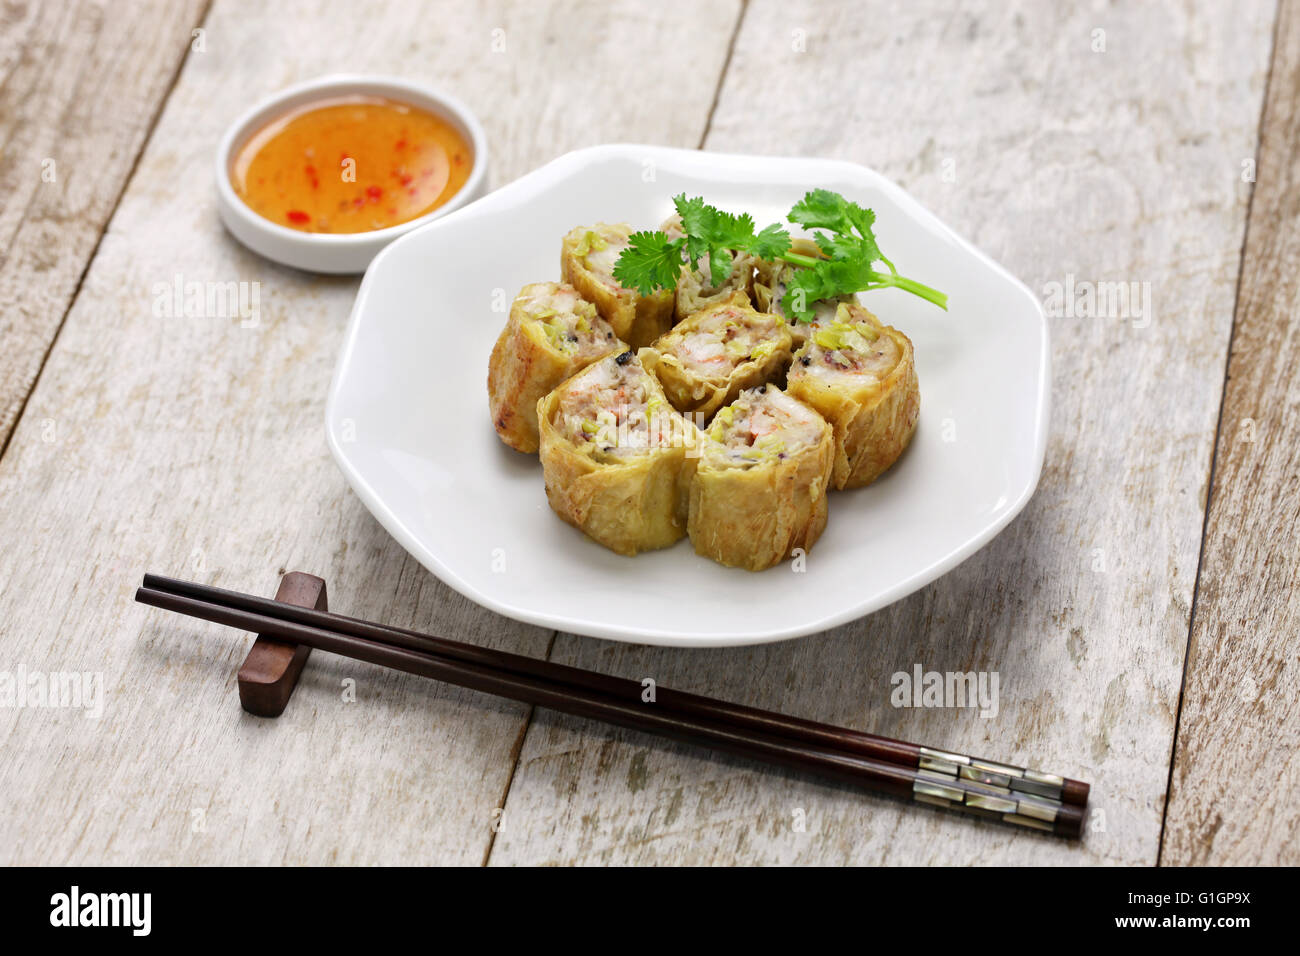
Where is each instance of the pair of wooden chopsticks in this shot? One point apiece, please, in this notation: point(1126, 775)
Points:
point(1015, 795)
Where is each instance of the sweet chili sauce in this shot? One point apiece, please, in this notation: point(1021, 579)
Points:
point(351, 164)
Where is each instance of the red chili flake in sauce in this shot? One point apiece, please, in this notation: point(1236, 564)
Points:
point(407, 162)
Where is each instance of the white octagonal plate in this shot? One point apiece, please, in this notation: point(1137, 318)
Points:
point(408, 421)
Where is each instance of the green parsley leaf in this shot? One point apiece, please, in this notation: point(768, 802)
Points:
point(805, 287)
point(651, 261)
point(697, 223)
point(823, 209)
point(771, 243)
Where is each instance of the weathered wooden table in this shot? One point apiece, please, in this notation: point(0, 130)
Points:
point(1141, 613)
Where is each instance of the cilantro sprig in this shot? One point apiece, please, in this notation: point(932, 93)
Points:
point(841, 228)
point(654, 261)
point(651, 261)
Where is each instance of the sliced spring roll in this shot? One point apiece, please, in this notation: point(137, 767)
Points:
point(770, 281)
point(759, 488)
point(706, 361)
point(587, 259)
point(614, 456)
point(552, 333)
point(861, 376)
point(695, 288)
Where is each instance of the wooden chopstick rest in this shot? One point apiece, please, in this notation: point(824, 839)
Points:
point(271, 670)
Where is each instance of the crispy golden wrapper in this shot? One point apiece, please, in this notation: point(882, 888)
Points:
point(706, 361)
point(696, 292)
point(587, 257)
point(552, 333)
point(873, 404)
point(616, 457)
point(752, 505)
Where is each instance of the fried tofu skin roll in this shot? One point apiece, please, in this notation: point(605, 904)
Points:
point(861, 376)
point(705, 362)
point(552, 333)
point(759, 488)
point(770, 280)
point(695, 288)
point(614, 456)
point(587, 259)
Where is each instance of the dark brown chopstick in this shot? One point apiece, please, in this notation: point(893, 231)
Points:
point(863, 744)
point(923, 785)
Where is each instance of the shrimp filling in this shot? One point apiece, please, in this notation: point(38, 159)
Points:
point(720, 340)
point(614, 411)
point(599, 248)
point(762, 425)
point(570, 323)
point(847, 350)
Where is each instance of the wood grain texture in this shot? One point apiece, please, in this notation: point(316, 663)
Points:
point(195, 446)
point(80, 85)
point(1236, 772)
point(1058, 159)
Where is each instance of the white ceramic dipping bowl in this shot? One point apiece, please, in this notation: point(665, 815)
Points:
point(338, 253)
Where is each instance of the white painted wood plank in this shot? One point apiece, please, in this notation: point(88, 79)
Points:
point(76, 102)
point(1236, 775)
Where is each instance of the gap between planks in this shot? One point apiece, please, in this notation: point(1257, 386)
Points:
point(1214, 447)
point(199, 21)
point(722, 74)
point(517, 748)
